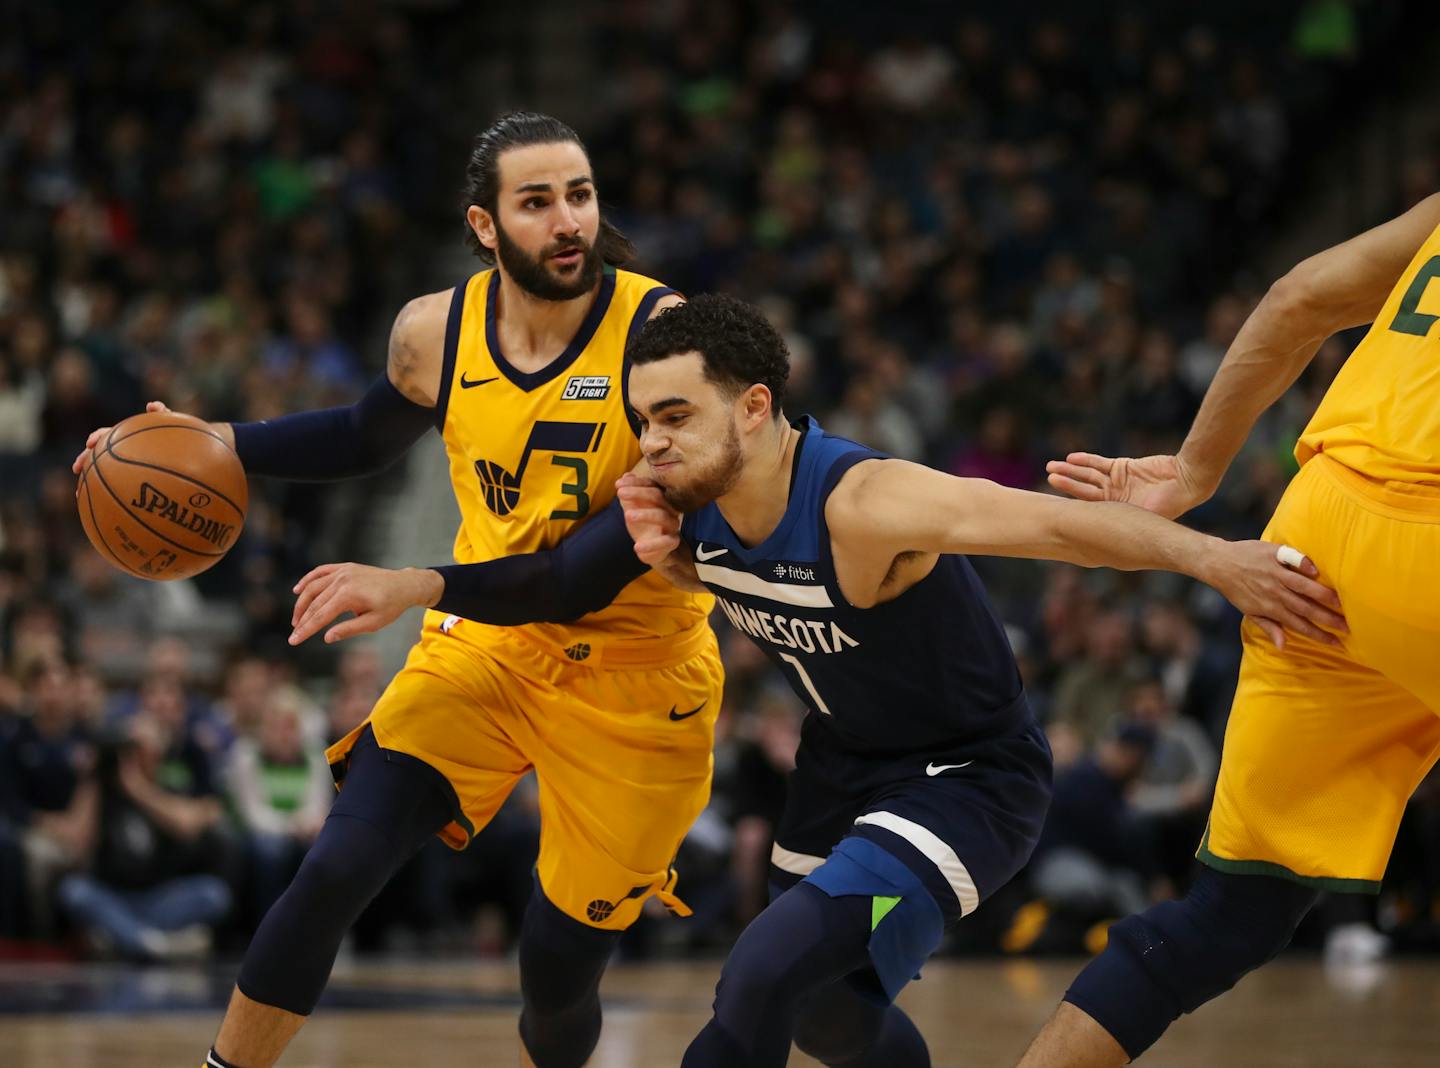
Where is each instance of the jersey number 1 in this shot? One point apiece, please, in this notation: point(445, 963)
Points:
point(807, 682)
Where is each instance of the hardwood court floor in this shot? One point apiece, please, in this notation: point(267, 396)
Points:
point(975, 1015)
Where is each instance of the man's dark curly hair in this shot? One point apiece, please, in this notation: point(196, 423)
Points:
point(737, 343)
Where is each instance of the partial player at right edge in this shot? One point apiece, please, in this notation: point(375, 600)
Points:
point(1325, 744)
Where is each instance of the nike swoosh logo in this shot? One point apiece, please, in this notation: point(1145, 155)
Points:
point(702, 555)
point(936, 769)
point(677, 717)
point(465, 383)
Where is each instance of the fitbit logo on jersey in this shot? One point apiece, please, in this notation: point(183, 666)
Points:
point(159, 504)
point(806, 635)
point(794, 571)
point(587, 387)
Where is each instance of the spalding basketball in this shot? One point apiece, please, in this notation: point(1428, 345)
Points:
point(162, 496)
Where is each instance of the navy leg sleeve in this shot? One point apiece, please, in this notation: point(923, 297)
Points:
point(805, 941)
point(561, 962)
point(386, 811)
point(841, 1029)
point(1174, 957)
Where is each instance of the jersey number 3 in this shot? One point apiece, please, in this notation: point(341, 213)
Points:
point(501, 487)
point(1408, 318)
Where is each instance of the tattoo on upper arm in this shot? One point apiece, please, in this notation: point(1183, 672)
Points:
point(400, 360)
point(403, 360)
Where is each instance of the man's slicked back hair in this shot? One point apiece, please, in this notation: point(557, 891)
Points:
point(520, 129)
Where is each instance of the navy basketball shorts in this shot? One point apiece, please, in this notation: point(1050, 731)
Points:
point(964, 819)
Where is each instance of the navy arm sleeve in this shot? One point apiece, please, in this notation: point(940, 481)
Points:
point(335, 443)
point(582, 574)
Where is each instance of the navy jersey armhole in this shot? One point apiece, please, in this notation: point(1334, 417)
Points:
point(833, 475)
point(643, 311)
point(452, 347)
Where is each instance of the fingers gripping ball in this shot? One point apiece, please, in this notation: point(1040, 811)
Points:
point(162, 496)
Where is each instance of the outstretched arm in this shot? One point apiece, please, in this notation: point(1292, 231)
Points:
point(582, 574)
point(367, 436)
point(357, 439)
point(1339, 288)
point(1334, 290)
point(884, 508)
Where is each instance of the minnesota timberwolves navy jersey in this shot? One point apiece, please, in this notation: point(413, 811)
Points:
point(931, 668)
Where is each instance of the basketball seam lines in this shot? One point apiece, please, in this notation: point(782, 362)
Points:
point(110, 438)
point(95, 522)
point(126, 509)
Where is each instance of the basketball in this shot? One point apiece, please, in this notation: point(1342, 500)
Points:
point(162, 496)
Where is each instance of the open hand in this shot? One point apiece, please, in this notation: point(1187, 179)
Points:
point(1159, 484)
point(376, 595)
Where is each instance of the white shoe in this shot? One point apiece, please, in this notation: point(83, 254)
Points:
point(186, 943)
point(1355, 943)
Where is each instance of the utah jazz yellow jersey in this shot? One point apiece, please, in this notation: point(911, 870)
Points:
point(532, 455)
point(1381, 416)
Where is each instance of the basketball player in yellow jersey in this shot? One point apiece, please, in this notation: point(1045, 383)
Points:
point(521, 368)
point(1326, 740)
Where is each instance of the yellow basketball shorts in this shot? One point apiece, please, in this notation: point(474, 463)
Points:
point(620, 744)
point(1326, 744)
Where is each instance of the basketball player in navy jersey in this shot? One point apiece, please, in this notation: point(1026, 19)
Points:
point(922, 779)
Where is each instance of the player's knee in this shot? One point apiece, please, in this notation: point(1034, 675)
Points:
point(835, 1024)
point(1174, 957)
point(561, 959)
point(346, 867)
point(560, 966)
point(1224, 928)
point(561, 962)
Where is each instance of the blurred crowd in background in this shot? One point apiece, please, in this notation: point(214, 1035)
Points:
point(989, 241)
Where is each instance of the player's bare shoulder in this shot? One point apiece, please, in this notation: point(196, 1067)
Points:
point(872, 564)
point(417, 347)
point(855, 497)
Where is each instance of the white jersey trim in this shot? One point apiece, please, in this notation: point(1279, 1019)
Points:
point(755, 586)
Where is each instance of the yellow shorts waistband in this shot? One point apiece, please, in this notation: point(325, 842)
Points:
point(657, 652)
point(1414, 503)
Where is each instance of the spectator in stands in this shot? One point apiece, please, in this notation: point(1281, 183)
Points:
point(280, 789)
point(151, 891)
point(114, 613)
point(763, 761)
point(1173, 790)
point(1090, 692)
point(47, 788)
point(1096, 856)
